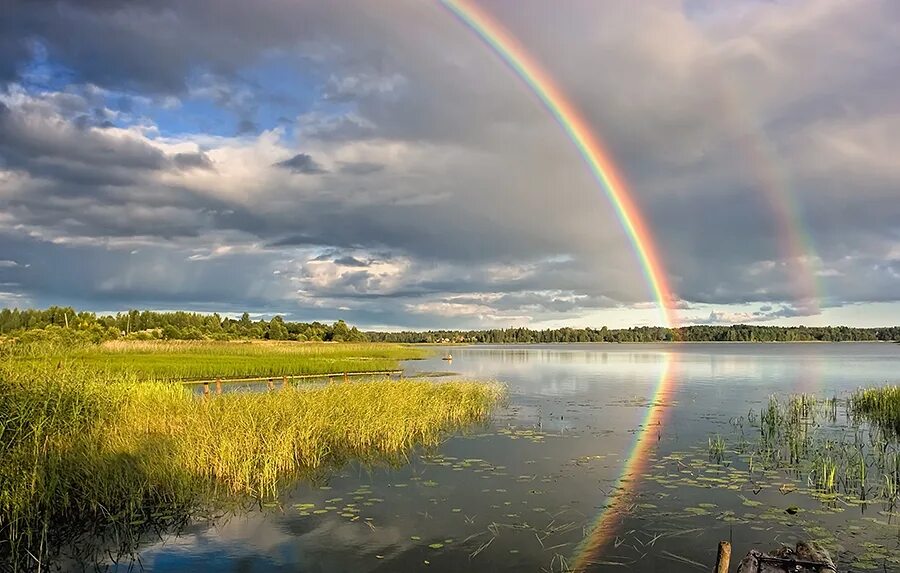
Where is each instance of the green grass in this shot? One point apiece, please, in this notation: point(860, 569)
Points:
point(88, 451)
point(879, 405)
point(186, 360)
point(804, 437)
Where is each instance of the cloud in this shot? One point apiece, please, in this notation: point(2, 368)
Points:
point(301, 163)
point(354, 86)
point(443, 192)
point(246, 126)
point(360, 168)
point(349, 261)
point(197, 160)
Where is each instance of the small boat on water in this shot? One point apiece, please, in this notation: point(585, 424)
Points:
point(448, 357)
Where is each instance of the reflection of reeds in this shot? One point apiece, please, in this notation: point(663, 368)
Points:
point(85, 451)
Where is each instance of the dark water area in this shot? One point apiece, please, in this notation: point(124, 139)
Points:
point(525, 492)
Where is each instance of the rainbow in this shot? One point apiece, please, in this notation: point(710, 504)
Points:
point(603, 169)
point(578, 130)
point(798, 251)
point(606, 524)
point(796, 244)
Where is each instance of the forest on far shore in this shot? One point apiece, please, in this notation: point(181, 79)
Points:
point(151, 325)
point(702, 333)
point(66, 322)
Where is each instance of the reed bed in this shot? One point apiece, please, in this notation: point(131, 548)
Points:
point(879, 405)
point(186, 360)
point(87, 452)
point(850, 454)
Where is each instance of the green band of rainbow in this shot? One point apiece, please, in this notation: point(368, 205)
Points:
point(772, 179)
point(598, 160)
point(603, 169)
point(607, 522)
point(799, 251)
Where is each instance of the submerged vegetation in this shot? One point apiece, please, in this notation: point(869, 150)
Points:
point(90, 449)
point(793, 466)
point(802, 458)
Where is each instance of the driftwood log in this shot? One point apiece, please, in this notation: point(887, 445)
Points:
point(805, 558)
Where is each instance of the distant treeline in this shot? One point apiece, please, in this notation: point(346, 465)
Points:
point(149, 325)
point(736, 333)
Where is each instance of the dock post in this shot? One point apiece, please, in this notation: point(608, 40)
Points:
point(346, 377)
point(284, 382)
point(206, 389)
point(270, 384)
point(723, 559)
point(218, 385)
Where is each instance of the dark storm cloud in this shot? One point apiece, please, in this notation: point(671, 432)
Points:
point(301, 163)
point(443, 160)
point(349, 261)
point(33, 137)
point(198, 160)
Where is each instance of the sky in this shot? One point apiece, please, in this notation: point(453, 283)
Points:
point(378, 162)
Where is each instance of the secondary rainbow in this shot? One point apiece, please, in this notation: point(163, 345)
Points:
point(797, 245)
point(771, 177)
point(578, 130)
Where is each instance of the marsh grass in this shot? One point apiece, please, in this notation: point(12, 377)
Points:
point(854, 458)
point(88, 452)
point(880, 406)
point(186, 360)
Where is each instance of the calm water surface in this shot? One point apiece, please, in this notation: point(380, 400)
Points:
point(526, 492)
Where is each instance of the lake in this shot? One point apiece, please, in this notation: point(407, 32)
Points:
point(601, 458)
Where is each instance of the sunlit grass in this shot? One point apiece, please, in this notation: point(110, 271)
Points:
point(87, 450)
point(207, 359)
point(880, 405)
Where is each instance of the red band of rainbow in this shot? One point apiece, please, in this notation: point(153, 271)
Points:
point(603, 169)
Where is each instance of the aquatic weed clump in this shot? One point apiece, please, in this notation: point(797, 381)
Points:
point(88, 453)
point(831, 456)
point(878, 405)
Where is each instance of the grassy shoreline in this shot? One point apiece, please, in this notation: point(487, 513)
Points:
point(187, 360)
point(88, 448)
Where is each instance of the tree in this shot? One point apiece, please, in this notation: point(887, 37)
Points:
point(277, 330)
point(340, 332)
